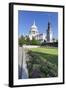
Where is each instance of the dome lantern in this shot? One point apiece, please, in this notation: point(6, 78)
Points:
point(34, 27)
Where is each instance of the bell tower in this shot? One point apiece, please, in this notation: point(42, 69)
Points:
point(49, 33)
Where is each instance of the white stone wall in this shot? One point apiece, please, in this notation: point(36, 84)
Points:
point(30, 46)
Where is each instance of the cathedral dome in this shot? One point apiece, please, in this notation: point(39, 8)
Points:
point(34, 27)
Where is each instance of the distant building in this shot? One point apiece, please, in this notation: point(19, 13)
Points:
point(43, 37)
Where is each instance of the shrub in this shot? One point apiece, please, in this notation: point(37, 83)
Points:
point(40, 67)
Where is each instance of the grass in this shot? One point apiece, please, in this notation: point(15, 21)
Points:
point(50, 54)
point(49, 50)
point(43, 62)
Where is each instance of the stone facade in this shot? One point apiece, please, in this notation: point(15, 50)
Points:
point(34, 33)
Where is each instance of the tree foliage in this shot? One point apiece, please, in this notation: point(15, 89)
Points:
point(21, 40)
point(25, 40)
point(35, 42)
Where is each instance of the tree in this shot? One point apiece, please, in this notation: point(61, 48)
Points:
point(27, 41)
point(35, 42)
point(21, 40)
point(44, 41)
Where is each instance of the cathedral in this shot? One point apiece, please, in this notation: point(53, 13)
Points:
point(43, 37)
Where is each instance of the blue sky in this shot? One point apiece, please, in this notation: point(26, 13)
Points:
point(26, 19)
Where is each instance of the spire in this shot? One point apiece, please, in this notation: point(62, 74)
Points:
point(34, 27)
point(49, 24)
point(34, 23)
point(48, 20)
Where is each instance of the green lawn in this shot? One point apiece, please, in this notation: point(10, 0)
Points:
point(50, 54)
point(43, 62)
point(48, 50)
